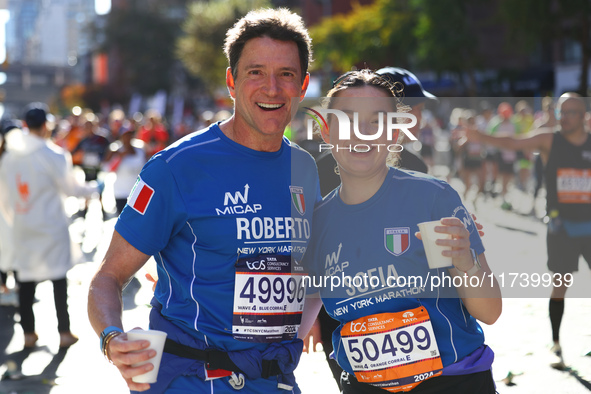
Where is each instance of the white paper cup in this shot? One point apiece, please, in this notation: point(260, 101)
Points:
point(432, 250)
point(157, 339)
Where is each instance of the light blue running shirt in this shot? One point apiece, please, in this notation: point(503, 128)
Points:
point(375, 239)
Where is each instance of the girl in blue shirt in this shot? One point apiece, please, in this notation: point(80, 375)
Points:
point(395, 334)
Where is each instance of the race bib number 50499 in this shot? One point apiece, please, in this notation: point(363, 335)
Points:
point(393, 351)
point(268, 299)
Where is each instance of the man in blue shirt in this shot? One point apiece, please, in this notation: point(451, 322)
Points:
point(227, 221)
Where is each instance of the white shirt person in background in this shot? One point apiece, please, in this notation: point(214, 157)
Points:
point(36, 176)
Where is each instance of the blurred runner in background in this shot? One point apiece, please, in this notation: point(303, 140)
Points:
point(566, 153)
point(37, 175)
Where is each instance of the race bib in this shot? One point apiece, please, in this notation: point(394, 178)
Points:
point(393, 351)
point(268, 299)
point(574, 186)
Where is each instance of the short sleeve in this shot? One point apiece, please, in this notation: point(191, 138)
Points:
point(309, 262)
point(155, 209)
point(448, 204)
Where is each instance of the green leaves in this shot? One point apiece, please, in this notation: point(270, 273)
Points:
point(143, 42)
point(405, 33)
point(201, 47)
point(544, 22)
point(369, 36)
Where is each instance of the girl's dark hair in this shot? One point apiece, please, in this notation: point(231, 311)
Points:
point(365, 77)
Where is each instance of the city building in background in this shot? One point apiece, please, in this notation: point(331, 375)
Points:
point(52, 44)
point(46, 43)
point(57, 38)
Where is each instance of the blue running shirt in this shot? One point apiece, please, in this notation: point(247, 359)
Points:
point(375, 240)
point(204, 204)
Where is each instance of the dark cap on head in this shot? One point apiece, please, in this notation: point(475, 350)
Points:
point(412, 85)
point(8, 124)
point(36, 115)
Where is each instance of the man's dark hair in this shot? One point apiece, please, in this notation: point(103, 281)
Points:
point(36, 115)
point(278, 24)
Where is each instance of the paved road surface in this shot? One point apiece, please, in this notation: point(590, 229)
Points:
point(520, 339)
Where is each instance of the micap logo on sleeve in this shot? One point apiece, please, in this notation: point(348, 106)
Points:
point(140, 196)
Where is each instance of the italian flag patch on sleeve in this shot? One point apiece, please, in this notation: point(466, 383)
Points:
point(140, 196)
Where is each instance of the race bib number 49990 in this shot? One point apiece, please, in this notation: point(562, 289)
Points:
point(268, 299)
point(393, 351)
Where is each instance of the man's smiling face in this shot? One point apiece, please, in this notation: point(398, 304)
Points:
point(268, 76)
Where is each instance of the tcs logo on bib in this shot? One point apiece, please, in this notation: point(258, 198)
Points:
point(256, 265)
point(358, 327)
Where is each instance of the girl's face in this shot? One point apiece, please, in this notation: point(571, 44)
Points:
point(364, 106)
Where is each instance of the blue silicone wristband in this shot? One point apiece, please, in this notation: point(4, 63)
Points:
point(105, 332)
